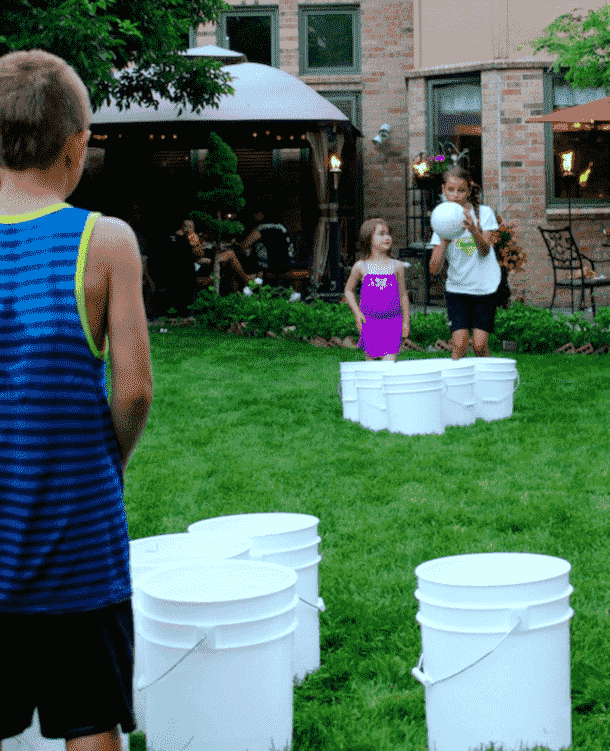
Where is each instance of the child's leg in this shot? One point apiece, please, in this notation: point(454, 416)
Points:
point(389, 357)
point(110, 741)
point(459, 343)
point(480, 342)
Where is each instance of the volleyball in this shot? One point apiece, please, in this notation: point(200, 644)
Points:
point(446, 220)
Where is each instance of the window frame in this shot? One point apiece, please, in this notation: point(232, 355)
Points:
point(306, 10)
point(353, 97)
point(432, 144)
point(550, 79)
point(271, 11)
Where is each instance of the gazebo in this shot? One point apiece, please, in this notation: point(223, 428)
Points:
point(271, 109)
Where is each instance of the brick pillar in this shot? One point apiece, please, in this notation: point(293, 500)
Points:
point(514, 170)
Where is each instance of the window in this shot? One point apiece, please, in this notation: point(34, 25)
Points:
point(329, 39)
point(253, 31)
point(590, 147)
point(346, 101)
point(454, 116)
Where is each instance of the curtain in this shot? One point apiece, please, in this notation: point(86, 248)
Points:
point(321, 166)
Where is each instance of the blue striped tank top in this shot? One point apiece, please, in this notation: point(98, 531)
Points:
point(64, 545)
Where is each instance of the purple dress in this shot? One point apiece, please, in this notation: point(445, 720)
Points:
point(380, 303)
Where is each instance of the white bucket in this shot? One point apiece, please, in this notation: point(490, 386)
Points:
point(415, 408)
point(347, 391)
point(494, 394)
point(148, 553)
point(496, 651)
point(371, 401)
point(459, 400)
point(304, 562)
point(219, 647)
point(289, 540)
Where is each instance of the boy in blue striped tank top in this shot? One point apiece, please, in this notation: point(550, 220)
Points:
point(70, 294)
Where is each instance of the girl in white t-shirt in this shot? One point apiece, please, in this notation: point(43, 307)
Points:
point(474, 274)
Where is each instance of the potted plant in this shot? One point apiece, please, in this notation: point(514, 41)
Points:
point(511, 257)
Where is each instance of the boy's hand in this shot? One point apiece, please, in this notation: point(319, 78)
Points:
point(360, 319)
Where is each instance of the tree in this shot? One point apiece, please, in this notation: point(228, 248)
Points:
point(224, 190)
point(582, 46)
point(95, 36)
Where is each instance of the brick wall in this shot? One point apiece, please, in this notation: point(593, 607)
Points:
point(387, 52)
point(514, 174)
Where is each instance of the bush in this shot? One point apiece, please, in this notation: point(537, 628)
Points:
point(270, 309)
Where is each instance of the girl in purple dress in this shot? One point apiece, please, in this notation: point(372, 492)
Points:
point(384, 316)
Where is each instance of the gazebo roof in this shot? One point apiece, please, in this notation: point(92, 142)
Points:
point(262, 94)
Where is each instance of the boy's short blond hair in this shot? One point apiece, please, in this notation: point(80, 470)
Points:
point(42, 104)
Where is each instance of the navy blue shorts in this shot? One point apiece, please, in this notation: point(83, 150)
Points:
point(471, 311)
point(76, 668)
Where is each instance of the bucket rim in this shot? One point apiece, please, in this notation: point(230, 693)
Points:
point(426, 570)
point(485, 606)
point(232, 540)
point(290, 580)
point(429, 623)
point(317, 541)
point(169, 621)
point(260, 519)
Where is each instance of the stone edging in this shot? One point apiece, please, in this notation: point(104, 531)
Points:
point(407, 344)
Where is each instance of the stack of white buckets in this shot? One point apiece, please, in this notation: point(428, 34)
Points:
point(415, 397)
point(226, 619)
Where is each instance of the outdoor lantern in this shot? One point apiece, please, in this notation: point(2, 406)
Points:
point(584, 176)
point(567, 162)
point(335, 168)
point(420, 167)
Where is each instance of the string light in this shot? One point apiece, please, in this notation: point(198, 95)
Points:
point(255, 134)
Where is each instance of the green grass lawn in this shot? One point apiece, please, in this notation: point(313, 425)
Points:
point(240, 425)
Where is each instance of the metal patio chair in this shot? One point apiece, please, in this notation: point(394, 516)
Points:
point(565, 256)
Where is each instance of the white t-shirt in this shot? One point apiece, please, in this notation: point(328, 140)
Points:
point(468, 273)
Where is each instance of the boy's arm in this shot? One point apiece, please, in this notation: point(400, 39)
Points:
point(114, 245)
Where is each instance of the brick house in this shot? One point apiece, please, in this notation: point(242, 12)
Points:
point(434, 72)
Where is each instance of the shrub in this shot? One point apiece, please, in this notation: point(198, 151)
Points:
point(271, 309)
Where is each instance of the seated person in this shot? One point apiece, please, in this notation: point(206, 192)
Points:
point(270, 243)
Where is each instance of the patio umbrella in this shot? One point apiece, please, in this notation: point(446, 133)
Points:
point(591, 115)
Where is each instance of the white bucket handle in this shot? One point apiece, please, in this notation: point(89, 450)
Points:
point(424, 678)
point(204, 634)
point(457, 401)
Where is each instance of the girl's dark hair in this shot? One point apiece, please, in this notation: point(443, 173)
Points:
point(363, 245)
point(473, 188)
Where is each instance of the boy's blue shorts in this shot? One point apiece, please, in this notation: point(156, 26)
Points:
point(77, 669)
point(471, 311)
